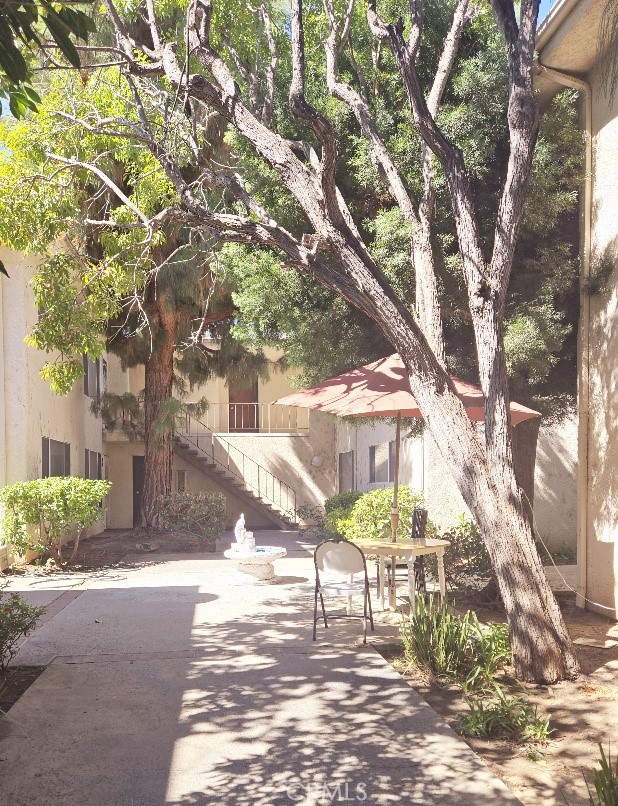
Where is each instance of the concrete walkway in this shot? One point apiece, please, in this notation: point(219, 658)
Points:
point(166, 684)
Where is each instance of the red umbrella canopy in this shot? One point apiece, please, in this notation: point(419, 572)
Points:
point(382, 389)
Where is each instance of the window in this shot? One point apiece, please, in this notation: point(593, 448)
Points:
point(56, 458)
point(93, 465)
point(92, 378)
point(346, 471)
point(181, 481)
point(381, 462)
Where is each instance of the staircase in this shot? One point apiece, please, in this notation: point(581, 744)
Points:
point(236, 472)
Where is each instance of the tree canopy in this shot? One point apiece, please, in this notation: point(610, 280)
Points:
point(310, 101)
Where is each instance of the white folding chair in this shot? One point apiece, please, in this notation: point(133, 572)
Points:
point(337, 562)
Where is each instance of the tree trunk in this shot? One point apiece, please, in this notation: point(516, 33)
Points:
point(525, 438)
point(159, 372)
point(542, 648)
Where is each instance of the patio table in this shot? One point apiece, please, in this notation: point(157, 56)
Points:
point(409, 550)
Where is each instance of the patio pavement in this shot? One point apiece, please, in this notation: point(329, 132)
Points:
point(166, 684)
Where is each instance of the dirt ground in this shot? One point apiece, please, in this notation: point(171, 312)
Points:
point(583, 713)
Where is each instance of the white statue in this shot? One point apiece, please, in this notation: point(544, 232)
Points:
point(239, 529)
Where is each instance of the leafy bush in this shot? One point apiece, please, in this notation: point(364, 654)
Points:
point(605, 782)
point(461, 650)
point(468, 564)
point(344, 501)
point(501, 715)
point(338, 521)
point(203, 514)
point(17, 618)
point(55, 508)
point(371, 514)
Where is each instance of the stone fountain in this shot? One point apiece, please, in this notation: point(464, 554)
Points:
point(253, 563)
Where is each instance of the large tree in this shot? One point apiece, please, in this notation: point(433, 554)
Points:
point(180, 78)
point(150, 303)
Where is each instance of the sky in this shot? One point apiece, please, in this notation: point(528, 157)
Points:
point(544, 8)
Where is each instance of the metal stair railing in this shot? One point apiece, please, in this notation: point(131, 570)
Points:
point(233, 461)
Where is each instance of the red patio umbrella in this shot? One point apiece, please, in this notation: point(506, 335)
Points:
point(382, 389)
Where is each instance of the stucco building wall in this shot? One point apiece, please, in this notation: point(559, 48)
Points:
point(426, 471)
point(302, 456)
point(568, 44)
point(30, 410)
point(601, 469)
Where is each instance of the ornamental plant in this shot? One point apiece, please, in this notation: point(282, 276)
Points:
point(42, 514)
point(202, 514)
point(17, 619)
point(371, 514)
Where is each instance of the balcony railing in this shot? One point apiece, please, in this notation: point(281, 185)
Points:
point(255, 418)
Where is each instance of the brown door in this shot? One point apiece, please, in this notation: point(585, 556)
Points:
point(138, 488)
point(243, 406)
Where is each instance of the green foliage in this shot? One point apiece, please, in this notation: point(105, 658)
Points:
point(345, 500)
point(124, 413)
point(458, 649)
point(453, 647)
point(41, 514)
point(605, 781)
point(338, 509)
point(370, 516)
point(532, 340)
point(280, 308)
point(203, 514)
point(17, 619)
point(490, 649)
point(437, 640)
point(70, 322)
point(468, 563)
point(339, 521)
point(501, 715)
point(21, 24)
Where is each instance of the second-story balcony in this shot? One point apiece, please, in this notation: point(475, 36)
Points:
point(255, 418)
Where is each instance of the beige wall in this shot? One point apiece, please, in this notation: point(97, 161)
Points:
point(29, 409)
point(216, 392)
point(569, 42)
point(304, 462)
point(555, 484)
point(424, 469)
point(599, 474)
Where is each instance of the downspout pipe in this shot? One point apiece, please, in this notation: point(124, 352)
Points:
point(583, 87)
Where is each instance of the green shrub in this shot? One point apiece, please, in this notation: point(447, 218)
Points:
point(468, 564)
point(605, 782)
point(501, 715)
point(454, 647)
point(371, 514)
point(344, 501)
point(17, 618)
point(203, 514)
point(437, 640)
point(55, 508)
point(338, 521)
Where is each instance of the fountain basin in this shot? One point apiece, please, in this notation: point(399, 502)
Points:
point(255, 566)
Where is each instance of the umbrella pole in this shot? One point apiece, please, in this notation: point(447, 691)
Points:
point(395, 512)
